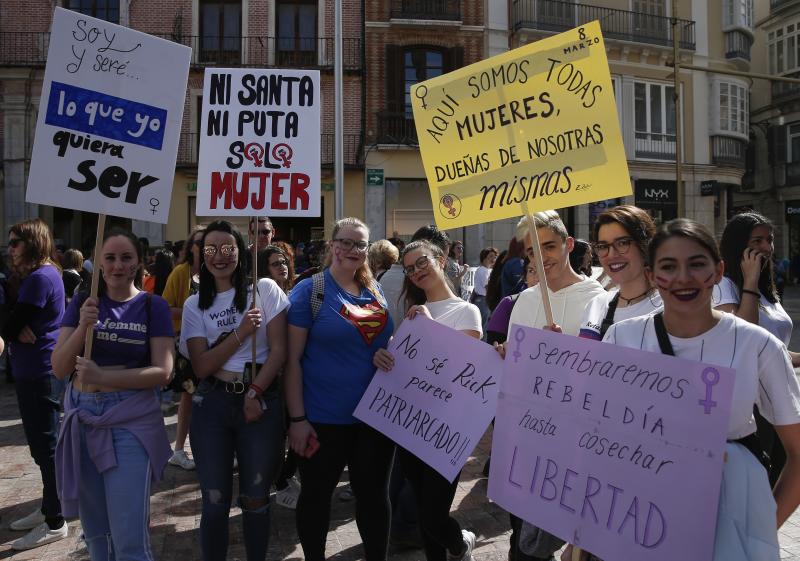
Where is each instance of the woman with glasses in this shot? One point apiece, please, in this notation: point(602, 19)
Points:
point(338, 320)
point(236, 410)
point(274, 263)
point(428, 293)
point(685, 265)
point(182, 282)
point(113, 443)
point(620, 236)
point(31, 330)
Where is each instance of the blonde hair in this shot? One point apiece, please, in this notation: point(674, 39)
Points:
point(545, 219)
point(382, 255)
point(363, 275)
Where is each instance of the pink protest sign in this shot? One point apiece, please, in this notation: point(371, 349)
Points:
point(440, 396)
point(616, 450)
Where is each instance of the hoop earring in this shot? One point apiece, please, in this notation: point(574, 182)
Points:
point(652, 302)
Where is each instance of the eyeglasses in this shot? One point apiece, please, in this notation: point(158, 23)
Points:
point(348, 244)
point(280, 263)
point(224, 250)
point(15, 242)
point(419, 265)
point(621, 245)
point(264, 232)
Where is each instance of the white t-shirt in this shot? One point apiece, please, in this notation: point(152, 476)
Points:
point(456, 314)
point(223, 317)
point(481, 279)
point(764, 373)
point(596, 311)
point(771, 317)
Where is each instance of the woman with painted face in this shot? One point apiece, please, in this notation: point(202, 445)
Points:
point(748, 290)
point(235, 411)
point(685, 266)
point(31, 329)
point(337, 321)
point(113, 443)
point(428, 293)
point(620, 239)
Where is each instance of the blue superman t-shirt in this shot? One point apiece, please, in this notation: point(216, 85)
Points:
point(337, 360)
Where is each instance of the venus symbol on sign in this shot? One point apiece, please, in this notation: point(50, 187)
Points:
point(519, 337)
point(154, 203)
point(710, 377)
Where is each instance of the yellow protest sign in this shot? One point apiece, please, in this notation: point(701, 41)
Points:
point(537, 124)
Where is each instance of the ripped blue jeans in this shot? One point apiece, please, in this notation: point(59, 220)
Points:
point(217, 430)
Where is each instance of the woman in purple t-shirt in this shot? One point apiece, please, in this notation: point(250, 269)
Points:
point(31, 330)
point(113, 442)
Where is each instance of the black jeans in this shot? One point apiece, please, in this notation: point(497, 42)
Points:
point(368, 455)
point(39, 402)
point(440, 531)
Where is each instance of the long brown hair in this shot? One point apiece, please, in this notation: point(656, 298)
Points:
point(363, 274)
point(39, 246)
point(413, 294)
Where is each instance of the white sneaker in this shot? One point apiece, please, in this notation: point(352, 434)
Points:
point(469, 545)
point(39, 536)
point(287, 497)
point(29, 522)
point(180, 459)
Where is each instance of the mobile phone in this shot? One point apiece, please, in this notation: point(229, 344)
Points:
point(312, 445)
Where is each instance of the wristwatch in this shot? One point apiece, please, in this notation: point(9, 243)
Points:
point(251, 394)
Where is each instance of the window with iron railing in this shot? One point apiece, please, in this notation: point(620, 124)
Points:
point(220, 31)
point(297, 32)
point(737, 14)
point(654, 120)
point(101, 9)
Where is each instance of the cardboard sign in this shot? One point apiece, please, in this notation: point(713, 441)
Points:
point(536, 124)
point(260, 143)
point(109, 119)
point(440, 396)
point(618, 451)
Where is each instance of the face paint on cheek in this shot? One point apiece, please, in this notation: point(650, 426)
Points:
point(706, 283)
point(662, 282)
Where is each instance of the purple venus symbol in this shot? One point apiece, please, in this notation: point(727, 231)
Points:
point(519, 337)
point(710, 378)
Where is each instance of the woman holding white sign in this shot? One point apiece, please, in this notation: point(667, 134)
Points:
point(685, 265)
point(429, 293)
point(236, 409)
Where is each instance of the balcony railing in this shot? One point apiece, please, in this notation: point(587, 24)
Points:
point(24, 48)
point(30, 49)
point(395, 126)
point(737, 45)
point(189, 149)
point(778, 4)
point(785, 91)
point(655, 146)
point(622, 25)
point(449, 10)
point(726, 151)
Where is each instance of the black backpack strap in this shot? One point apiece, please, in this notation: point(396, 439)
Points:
point(661, 333)
point(608, 321)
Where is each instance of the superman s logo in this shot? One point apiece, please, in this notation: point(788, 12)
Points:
point(370, 319)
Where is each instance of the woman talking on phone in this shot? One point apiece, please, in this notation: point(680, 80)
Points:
point(337, 321)
point(748, 290)
point(235, 410)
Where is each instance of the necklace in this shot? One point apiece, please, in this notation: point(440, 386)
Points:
point(629, 300)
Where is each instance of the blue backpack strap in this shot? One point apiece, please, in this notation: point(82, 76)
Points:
point(317, 293)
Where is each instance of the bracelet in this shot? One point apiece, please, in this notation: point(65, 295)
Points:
point(299, 419)
point(753, 292)
point(236, 334)
point(258, 389)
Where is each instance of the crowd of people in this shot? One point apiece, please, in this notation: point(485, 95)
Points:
point(267, 374)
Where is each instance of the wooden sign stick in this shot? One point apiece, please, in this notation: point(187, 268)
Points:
point(98, 243)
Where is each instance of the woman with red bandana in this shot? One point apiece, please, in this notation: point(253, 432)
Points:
point(337, 321)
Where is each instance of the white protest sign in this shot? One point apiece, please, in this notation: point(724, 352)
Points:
point(616, 450)
point(109, 119)
point(259, 143)
point(440, 396)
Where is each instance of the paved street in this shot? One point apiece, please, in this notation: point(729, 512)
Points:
point(176, 505)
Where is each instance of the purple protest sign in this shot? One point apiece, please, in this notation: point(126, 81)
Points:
point(440, 396)
point(616, 450)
